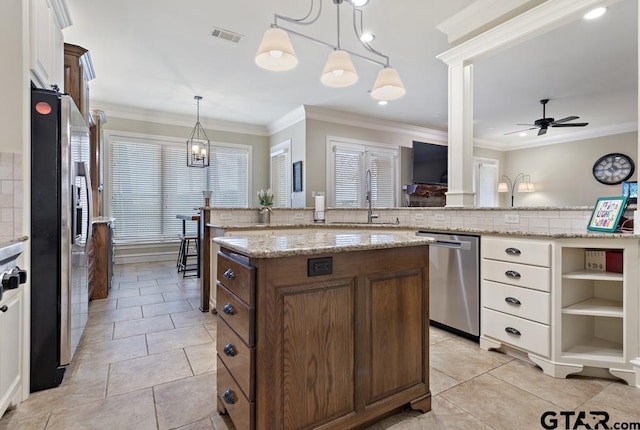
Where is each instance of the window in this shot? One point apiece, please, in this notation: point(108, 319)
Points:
point(485, 182)
point(150, 183)
point(348, 180)
point(281, 174)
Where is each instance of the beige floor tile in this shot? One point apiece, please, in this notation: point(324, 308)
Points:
point(129, 292)
point(438, 335)
point(222, 422)
point(619, 400)
point(462, 359)
point(142, 326)
point(10, 422)
point(154, 276)
point(566, 393)
point(127, 302)
point(144, 372)
point(166, 308)
point(113, 350)
point(177, 339)
point(159, 289)
point(499, 404)
point(123, 278)
point(439, 382)
point(205, 424)
point(186, 401)
point(138, 284)
point(180, 295)
point(129, 411)
point(168, 281)
point(103, 304)
point(97, 333)
point(202, 357)
point(190, 318)
point(86, 373)
point(113, 315)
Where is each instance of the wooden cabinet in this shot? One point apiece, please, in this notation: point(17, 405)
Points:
point(78, 71)
point(11, 346)
point(96, 156)
point(515, 291)
point(101, 259)
point(47, 19)
point(336, 350)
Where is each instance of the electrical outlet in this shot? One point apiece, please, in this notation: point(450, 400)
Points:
point(298, 216)
point(439, 217)
point(419, 216)
point(225, 216)
point(512, 218)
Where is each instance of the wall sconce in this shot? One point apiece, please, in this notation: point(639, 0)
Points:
point(521, 180)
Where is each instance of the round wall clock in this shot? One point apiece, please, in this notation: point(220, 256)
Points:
point(613, 168)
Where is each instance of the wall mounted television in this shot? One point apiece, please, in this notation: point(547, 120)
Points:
point(430, 163)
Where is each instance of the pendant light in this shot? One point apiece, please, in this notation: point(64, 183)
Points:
point(388, 85)
point(198, 143)
point(276, 52)
point(339, 71)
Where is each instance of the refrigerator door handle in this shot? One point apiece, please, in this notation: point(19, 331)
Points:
point(83, 170)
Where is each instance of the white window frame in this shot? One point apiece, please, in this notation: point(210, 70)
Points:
point(282, 148)
point(364, 146)
point(477, 161)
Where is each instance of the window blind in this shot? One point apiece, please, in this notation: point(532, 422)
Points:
point(150, 183)
point(279, 178)
point(383, 179)
point(485, 183)
point(348, 173)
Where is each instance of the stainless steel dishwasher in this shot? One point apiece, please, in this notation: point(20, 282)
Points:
point(454, 282)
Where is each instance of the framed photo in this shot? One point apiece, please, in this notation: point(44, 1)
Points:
point(606, 213)
point(297, 176)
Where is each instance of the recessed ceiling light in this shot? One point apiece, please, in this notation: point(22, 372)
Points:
point(367, 37)
point(522, 134)
point(595, 13)
point(383, 102)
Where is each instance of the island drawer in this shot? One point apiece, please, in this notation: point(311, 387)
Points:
point(237, 277)
point(520, 302)
point(521, 333)
point(233, 400)
point(237, 357)
point(523, 252)
point(236, 313)
point(521, 275)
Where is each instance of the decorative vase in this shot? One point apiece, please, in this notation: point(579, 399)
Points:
point(264, 215)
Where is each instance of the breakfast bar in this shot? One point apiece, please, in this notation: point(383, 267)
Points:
point(322, 329)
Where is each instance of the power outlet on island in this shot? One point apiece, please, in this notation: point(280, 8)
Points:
point(512, 219)
point(298, 216)
point(419, 217)
point(439, 217)
point(225, 216)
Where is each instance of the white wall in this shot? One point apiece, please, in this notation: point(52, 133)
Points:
point(562, 173)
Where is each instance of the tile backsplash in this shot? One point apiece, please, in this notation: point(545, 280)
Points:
point(11, 196)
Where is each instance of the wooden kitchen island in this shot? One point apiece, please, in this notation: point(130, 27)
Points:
point(326, 329)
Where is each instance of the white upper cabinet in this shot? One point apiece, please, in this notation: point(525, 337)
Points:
point(47, 19)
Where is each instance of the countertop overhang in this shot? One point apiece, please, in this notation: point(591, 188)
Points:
point(321, 241)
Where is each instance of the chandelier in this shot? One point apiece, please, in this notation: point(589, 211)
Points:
point(276, 53)
point(198, 143)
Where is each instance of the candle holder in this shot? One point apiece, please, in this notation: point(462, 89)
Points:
point(207, 198)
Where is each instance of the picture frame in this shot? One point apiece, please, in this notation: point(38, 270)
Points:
point(606, 213)
point(297, 176)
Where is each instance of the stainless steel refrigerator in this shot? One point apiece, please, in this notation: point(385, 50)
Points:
point(60, 234)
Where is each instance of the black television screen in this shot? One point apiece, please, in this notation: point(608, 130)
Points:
point(429, 163)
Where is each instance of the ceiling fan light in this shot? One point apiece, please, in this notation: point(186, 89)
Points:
point(338, 70)
point(388, 85)
point(276, 52)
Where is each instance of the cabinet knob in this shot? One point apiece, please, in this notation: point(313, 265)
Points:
point(4, 308)
point(513, 331)
point(229, 274)
point(512, 301)
point(228, 396)
point(228, 309)
point(512, 274)
point(512, 251)
point(10, 281)
point(230, 350)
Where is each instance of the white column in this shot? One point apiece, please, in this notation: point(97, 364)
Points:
point(460, 169)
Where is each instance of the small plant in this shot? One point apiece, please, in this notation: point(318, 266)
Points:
point(265, 197)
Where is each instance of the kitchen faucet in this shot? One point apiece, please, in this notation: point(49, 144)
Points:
point(370, 215)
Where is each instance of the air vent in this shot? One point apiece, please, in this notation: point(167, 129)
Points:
point(226, 35)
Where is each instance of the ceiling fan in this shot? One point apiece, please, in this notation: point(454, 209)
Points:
point(544, 123)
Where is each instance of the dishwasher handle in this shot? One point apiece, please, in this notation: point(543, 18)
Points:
point(453, 244)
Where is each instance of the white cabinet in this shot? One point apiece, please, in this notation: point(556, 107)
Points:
point(515, 295)
point(47, 19)
point(11, 347)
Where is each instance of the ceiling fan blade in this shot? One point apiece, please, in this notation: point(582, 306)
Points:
point(520, 131)
point(543, 130)
point(532, 125)
point(569, 118)
point(575, 124)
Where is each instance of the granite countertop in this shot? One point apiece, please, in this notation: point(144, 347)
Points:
point(320, 242)
point(435, 229)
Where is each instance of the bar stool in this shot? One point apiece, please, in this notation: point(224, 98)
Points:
point(189, 250)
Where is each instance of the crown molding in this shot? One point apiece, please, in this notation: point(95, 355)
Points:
point(347, 118)
point(536, 21)
point(287, 120)
point(149, 115)
point(608, 130)
point(62, 13)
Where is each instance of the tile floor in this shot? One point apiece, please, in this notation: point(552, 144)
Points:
point(146, 361)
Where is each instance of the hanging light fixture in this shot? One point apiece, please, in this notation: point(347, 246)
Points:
point(198, 143)
point(276, 52)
